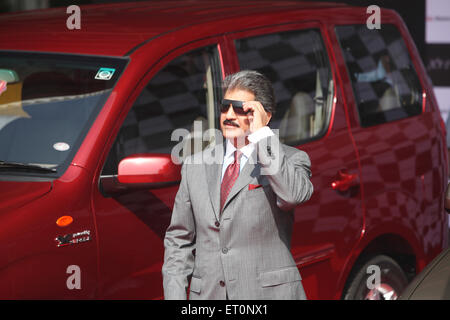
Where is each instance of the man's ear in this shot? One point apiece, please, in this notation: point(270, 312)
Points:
point(269, 115)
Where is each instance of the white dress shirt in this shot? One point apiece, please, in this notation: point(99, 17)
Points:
point(247, 150)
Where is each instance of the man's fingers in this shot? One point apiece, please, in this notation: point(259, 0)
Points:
point(252, 106)
point(247, 107)
point(257, 115)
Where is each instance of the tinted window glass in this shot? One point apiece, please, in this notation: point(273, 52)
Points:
point(47, 106)
point(182, 92)
point(384, 81)
point(297, 64)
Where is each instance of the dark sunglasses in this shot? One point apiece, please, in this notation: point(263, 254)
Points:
point(238, 106)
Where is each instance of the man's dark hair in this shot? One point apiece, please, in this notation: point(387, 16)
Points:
point(254, 82)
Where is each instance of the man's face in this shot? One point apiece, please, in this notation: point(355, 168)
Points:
point(233, 125)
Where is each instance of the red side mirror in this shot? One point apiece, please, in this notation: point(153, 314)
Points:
point(148, 168)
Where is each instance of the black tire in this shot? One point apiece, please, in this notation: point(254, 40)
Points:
point(392, 281)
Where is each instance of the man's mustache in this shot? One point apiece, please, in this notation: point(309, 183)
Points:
point(229, 122)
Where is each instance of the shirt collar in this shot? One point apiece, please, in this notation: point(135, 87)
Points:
point(246, 150)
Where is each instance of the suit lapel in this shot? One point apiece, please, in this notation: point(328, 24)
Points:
point(213, 175)
point(213, 170)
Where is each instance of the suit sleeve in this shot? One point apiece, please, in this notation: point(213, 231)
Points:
point(179, 243)
point(288, 170)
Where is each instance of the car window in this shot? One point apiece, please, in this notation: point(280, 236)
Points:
point(297, 64)
point(182, 95)
point(384, 81)
point(47, 105)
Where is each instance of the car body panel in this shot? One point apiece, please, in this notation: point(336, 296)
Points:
point(115, 29)
point(32, 265)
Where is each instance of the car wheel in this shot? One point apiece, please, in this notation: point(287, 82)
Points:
point(380, 278)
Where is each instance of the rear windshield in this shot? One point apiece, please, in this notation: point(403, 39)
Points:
point(47, 104)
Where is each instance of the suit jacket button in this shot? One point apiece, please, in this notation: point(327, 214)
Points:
point(224, 250)
point(222, 283)
point(217, 224)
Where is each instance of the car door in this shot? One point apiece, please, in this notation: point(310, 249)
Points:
point(398, 137)
point(132, 223)
point(311, 116)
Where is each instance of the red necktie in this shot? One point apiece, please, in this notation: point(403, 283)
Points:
point(229, 178)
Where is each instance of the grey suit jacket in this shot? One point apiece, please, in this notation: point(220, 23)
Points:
point(242, 252)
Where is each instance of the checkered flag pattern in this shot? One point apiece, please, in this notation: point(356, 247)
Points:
point(295, 62)
point(173, 99)
point(404, 156)
point(385, 83)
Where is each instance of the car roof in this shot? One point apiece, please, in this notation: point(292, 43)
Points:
point(115, 29)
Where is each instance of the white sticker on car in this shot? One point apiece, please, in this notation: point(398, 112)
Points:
point(104, 73)
point(61, 146)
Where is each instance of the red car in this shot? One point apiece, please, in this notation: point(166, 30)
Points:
point(88, 130)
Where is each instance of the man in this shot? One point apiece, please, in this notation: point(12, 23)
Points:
point(232, 221)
